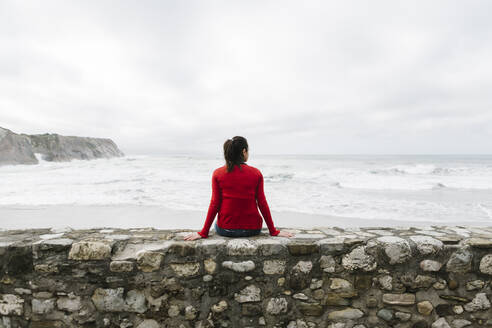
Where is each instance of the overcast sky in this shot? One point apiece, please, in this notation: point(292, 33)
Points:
point(294, 77)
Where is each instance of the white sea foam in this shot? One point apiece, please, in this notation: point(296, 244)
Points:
point(383, 187)
point(486, 210)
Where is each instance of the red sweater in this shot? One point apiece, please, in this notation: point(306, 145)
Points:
point(234, 196)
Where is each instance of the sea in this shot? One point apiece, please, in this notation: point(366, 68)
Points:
point(410, 188)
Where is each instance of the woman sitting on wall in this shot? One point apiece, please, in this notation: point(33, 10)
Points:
point(237, 192)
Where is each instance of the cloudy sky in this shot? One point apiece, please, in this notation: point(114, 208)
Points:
point(293, 77)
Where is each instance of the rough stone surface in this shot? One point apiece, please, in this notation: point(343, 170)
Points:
point(109, 300)
point(250, 293)
point(460, 323)
point(403, 316)
point(149, 323)
point(399, 299)
point(397, 249)
point(121, 266)
point(219, 307)
point(348, 313)
point(186, 269)
point(358, 259)
point(43, 306)
point(276, 306)
point(351, 278)
point(274, 266)
point(460, 261)
point(209, 265)
point(327, 263)
point(89, 250)
point(239, 247)
point(440, 323)
point(425, 307)
point(430, 265)
point(386, 282)
point(243, 266)
point(385, 314)
point(486, 264)
point(135, 301)
point(11, 304)
point(340, 285)
point(310, 309)
point(302, 248)
point(427, 245)
point(71, 303)
point(479, 302)
point(475, 285)
point(303, 266)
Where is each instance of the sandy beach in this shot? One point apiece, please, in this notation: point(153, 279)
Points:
point(159, 217)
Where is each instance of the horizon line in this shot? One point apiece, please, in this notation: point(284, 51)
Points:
point(326, 154)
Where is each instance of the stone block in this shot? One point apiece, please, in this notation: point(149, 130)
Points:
point(486, 264)
point(148, 261)
point(345, 314)
point(427, 245)
point(121, 266)
point(11, 304)
point(274, 266)
point(310, 309)
point(244, 266)
point(89, 250)
point(302, 248)
point(399, 299)
point(359, 259)
point(241, 247)
point(209, 265)
point(270, 246)
point(43, 306)
point(186, 269)
point(277, 305)
point(460, 261)
point(397, 249)
point(250, 293)
point(181, 248)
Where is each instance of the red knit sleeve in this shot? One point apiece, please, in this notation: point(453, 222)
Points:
point(263, 205)
point(214, 206)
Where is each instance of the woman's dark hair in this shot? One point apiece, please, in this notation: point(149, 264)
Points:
point(233, 151)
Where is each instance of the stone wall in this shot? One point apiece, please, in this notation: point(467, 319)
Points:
point(328, 277)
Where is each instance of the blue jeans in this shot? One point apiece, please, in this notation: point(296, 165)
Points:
point(236, 232)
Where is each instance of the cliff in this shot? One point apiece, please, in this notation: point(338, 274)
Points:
point(21, 148)
point(437, 277)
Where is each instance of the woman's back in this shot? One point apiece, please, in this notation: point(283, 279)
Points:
point(236, 196)
point(240, 183)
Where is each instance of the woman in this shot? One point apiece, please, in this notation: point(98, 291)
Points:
point(237, 190)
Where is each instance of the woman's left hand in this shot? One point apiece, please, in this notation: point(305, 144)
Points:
point(192, 236)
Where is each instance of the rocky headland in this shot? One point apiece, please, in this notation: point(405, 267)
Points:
point(21, 148)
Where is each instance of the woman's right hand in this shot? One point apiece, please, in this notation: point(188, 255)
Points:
point(285, 234)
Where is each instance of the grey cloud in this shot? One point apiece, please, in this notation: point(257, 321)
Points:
point(316, 76)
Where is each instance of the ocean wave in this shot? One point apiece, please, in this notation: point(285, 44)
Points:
point(335, 184)
point(420, 169)
point(119, 181)
point(280, 177)
point(442, 171)
point(389, 171)
point(39, 157)
point(108, 182)
point(401, 189)
point(486, 210)
point(439, 186)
